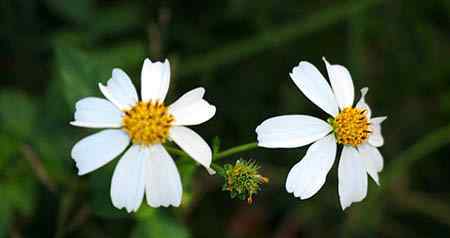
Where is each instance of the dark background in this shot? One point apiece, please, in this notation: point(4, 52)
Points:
point(54, 52)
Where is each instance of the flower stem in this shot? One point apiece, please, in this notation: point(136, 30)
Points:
point(234, 150)
point(175, 151)
point(220, 155)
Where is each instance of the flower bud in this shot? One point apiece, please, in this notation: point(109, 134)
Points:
point(243, 180)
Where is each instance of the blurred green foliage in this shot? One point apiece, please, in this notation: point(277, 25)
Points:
point(53, 53)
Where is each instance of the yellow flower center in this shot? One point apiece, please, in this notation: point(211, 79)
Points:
point(351, 126)
point(148, 123)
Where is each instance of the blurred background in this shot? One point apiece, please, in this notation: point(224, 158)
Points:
point(54, 52)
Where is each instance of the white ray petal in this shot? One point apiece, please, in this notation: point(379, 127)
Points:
point(291, 131)
point(120, 90)
point(193, 144)
point(307, 177)
point(96, 150)
point(352, 177)
point(342, 84)
point(155, 80)
point(315, 87)
point(95, 112)
point(375, 137)
point(362, 102)
point(128, 180)
point(163, 183)
point(191, 108)
point(373, 160)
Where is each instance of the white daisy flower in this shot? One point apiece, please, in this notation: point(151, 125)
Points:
point(147, 124)
point(351, 126)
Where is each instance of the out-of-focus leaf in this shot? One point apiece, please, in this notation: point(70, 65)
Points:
point(216, 145)
point(99, 184)
point(69, 37)
point(17, 114)
point(114, 20)
point(125, 55)
point(79, 11)
point(159, 225)
point(145, 211)
point(53, 150)
point(8, 147)
point(445, 102)
point(79, 74)
point(187, 167)
point(17, 194)
point(5, 215)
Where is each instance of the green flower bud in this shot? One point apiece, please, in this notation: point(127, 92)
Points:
point(242, 180)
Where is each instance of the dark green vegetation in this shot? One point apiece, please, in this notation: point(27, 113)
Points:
point(55, 52)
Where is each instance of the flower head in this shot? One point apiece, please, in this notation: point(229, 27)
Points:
point(243, 180)
point(351, 126)
point(147, 123)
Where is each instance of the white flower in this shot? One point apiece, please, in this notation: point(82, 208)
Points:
point(147, 123)
point(350, 126)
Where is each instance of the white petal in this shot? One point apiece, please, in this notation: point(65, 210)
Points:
point(96, 150)
point(155, 80)
point(193, 144)
point(163, 183)
point(362, 102)
point(96, 113)
point(373, 160)
point(120, 90)
point(342, 84)
point(192, 109)
point(307, 177)
point(315, 87)
point(291, 131)
point(376, 138)
point(352, 177)
point(211, 171)
point(378, 120)
point(128, 180)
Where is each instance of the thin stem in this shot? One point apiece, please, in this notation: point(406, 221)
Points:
point(220, 155)
point(176, 151)
point(235, 150)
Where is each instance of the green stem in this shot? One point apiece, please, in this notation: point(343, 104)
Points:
point(235, 150)
point(175, 151)
point(220, 155)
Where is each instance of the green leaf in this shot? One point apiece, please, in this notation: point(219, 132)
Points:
point(187, 168)
point(125, 55)
point(99, 185)
point(18, 193)
point(216, 145)
point(115, 20)
point(79, 11)
point(79, 74)
point(159, 225)
point(5, 215)
point(8, 148)
point(17, 114)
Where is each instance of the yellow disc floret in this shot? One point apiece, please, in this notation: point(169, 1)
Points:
point(148, 123)
point(351, 126)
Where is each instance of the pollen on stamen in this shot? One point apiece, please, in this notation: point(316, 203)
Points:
point(351, 126)
point(148, 123)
